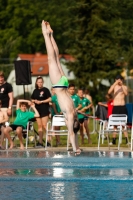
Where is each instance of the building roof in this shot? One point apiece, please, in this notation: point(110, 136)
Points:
point(39, 62)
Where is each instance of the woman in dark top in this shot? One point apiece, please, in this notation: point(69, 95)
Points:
point(6, 94)
point(41, 97)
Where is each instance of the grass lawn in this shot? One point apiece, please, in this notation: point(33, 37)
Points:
point(94, 138)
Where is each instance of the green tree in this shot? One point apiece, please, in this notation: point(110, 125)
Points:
point(126, 36)
point(21, 24)
point(96, 36)
point(21, 27)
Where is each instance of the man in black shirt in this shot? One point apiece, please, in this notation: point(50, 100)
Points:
point(6, 94)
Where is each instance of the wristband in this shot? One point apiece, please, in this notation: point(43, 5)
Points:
point(9, 107)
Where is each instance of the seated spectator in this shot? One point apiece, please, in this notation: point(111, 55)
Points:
point(3, 118)
point(108, 104)
point(101, 111)
point(20, 123)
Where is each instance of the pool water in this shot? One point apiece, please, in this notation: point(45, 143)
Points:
point(50, 175)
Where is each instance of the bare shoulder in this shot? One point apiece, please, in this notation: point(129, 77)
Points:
point(5, 113)
point(88, 97)
point(4, 110)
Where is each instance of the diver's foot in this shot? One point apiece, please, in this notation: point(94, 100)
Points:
point(44, 28)
point(49, 27)
point(77, 152)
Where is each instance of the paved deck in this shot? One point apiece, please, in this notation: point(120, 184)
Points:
point(63, 149)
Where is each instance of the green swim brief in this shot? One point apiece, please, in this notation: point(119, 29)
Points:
point(63, 82)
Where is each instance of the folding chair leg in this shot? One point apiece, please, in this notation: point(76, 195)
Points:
point(6, 143)
point(108, 140)
point(120, 136)
point(35, 138)
point(99, 140)
point(46, 141)
point(27, 141)
point(132, 135)
point(102, 138)
point(67, 141)
point(101, 133)
point(131, 142)
point(128, 140)
point(51, 141)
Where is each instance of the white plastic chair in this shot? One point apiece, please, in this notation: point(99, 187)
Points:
point(114, 120)
point(58, 120)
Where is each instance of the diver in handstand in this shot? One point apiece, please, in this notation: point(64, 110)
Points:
point(60, 83)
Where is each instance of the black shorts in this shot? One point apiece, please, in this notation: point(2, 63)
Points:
point(43, 114)
point(14, 127)
point(81, 121)
point(119, 110)
point(43, 110)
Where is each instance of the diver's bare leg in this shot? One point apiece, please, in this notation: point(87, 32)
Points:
point(57, 54)
point(73, 137)
point(54, 71)
point(69, 123)
point(55, 48)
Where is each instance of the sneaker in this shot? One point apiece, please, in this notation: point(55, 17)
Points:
point(114, 141)
point(85, 136)
point(39, 145)
point(48, 144)
point(58, 143)
point(105, 138)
